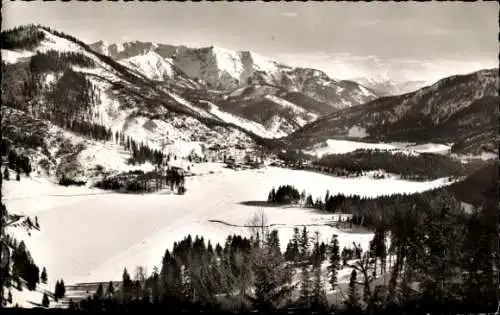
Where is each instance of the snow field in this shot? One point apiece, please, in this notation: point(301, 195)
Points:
point(91, 235)
point(332, 146)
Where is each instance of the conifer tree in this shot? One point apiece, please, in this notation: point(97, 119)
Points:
point(304, 244)
point(57, 291)
point(63, 289)
point(272, 280)
point(110, 291)
point(6, 173)
point(45, 300)
point(305, 285)
point(334, 262)
point(318, 288)
point(99, 294)
point(43, 276)
point(127, 285)
point(353, 297)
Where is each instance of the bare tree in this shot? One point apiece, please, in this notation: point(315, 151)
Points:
point(259, 226)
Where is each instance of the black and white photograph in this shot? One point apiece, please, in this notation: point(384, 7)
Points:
point(250, 157)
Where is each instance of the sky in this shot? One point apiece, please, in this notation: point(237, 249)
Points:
point(401, 41)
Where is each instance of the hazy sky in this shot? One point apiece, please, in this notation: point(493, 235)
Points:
point(401, 40)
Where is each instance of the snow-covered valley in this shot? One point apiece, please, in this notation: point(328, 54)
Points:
point(91, 235)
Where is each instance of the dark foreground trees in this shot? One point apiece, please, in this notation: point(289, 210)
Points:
point(16, 264)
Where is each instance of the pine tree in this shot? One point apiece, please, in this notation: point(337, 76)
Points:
point(353, 297)
point(272, 281)
point(57, 291)
point(305, 286)
point(304, 244)
point(63, 289)
point(45, 300)
point(318, 288)
point(273, 242)
point(126, 285)
point(110, 291)
point(43, 276)
point(334, 261)
point(99, 293)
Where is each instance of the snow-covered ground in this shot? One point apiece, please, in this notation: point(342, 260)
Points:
point(91, 235)
point(332, 146)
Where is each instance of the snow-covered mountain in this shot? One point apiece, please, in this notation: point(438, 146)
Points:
point(461, 109)
point(227, 70)
point(57, 92)
point(150, 64)
point(384, 86)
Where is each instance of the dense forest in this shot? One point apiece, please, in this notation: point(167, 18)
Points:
point(424, 166)
point(419, 167)
point(18, 271)
point(141, 182)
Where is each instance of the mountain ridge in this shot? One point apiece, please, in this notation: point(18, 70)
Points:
point(460, 103)
point(227, 70)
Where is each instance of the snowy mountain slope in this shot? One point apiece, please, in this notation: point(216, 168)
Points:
point(256, 128)
point(152, 65)
point(275, 108)
point(224, 69)
point(446, 112)
point(59, 81)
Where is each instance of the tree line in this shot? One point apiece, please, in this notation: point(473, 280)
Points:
point(19, 163)
point(22, 37)
point(430, 255)
point(424, 166)
point(17, 267)
point(56, 61)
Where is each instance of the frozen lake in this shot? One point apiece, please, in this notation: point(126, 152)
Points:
point(91, 235)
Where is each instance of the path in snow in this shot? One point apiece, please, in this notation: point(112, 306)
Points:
point(94, 235)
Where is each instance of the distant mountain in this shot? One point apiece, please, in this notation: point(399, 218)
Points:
point(226, 70)
point(453, 110)
point(386, 87)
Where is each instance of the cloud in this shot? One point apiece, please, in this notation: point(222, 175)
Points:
point(290, 14)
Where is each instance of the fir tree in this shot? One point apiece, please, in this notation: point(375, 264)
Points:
point(63, 289)
point(305, 286)
point(57, 291)
point(45, 301)
point(43, 276)
point(334, 262)
point(126, 285)
point(353, 297)
point(99, 294)
point(272, 281)
point(110, 291)
point(304, 244)
point(318, 288)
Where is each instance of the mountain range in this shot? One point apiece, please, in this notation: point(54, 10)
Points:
point(385, 86)
point(461, 109)
point(212, 101)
